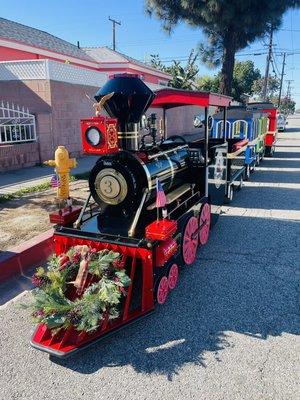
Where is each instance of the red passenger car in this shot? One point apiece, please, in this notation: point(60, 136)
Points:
point(271, 110)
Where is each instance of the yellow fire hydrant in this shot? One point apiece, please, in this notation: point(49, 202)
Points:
point(62, 164)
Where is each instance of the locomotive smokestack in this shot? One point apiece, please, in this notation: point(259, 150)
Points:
point(130, 101)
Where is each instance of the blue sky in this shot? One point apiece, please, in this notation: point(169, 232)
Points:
point(139, 36)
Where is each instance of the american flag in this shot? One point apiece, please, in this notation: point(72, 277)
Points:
point(54, 182)
point(160, 195)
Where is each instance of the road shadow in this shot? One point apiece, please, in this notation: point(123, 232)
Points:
point(290, 130)
point(269, 198)
point(278, 146)
point(281, 163)
point(287, 154)
point(276, 176)
point(249, 288)
point(12, 288)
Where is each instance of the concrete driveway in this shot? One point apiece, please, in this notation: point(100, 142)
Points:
point(229, 331)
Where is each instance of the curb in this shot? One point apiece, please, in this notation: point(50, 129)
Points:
point(17, 260)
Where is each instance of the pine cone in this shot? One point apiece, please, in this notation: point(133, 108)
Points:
point(110, 273)
point(73, 317)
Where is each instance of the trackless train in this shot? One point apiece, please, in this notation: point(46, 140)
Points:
point(121, 213)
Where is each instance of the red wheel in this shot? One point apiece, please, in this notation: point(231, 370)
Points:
point(173, 276)
point(162, 290)
point(190, 241)
point(204, 223)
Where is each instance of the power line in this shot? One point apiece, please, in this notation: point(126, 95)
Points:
point(289, 30)
point(250, 54)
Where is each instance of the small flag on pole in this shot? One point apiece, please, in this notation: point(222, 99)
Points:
point(54, 182)
point(160, 195)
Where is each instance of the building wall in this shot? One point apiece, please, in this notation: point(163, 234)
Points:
point(15, 156)
point(34, 95)
point(69, 105)
point(11, 54)
point(58, 108)
point(7, 54)
point(180, 120)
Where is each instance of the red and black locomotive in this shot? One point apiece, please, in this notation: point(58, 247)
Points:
point(120, 213)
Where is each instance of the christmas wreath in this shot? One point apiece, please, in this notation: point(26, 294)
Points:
point(80, 288)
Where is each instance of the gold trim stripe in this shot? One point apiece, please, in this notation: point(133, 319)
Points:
point(236, 153)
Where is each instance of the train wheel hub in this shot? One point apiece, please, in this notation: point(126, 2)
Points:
point(173, 276)
point(204, 222)
point(163, 290)
point(190, 241)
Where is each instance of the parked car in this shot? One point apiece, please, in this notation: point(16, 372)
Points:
point(281, 123)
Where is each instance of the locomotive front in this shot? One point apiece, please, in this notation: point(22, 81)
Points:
point(123, 180)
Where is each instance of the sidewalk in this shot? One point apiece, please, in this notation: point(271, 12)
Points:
point(12, 181)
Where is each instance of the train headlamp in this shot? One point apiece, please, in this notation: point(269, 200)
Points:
point(93, 136)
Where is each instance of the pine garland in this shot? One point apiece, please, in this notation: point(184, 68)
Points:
point(53, 298)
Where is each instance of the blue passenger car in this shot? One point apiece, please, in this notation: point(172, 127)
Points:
point(243, 124)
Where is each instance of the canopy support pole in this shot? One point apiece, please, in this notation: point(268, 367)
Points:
point(206, 148)
point(224, 123)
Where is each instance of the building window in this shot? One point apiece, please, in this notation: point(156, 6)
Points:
point(16, 125)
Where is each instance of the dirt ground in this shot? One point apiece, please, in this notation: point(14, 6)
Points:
point(22, 219)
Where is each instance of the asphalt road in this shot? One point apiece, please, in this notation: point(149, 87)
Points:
point(229, 331)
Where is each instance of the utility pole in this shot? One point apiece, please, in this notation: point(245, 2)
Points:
point(269, 56)
point(281, 79)
point(114, 22)
point(288, 91)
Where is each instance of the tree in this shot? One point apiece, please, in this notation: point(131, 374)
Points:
point(208, 83)
point(273, 86)
point(183, 77)
point(229, 25)
point(287, 106)
point(244, 76)
point(155, 62)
